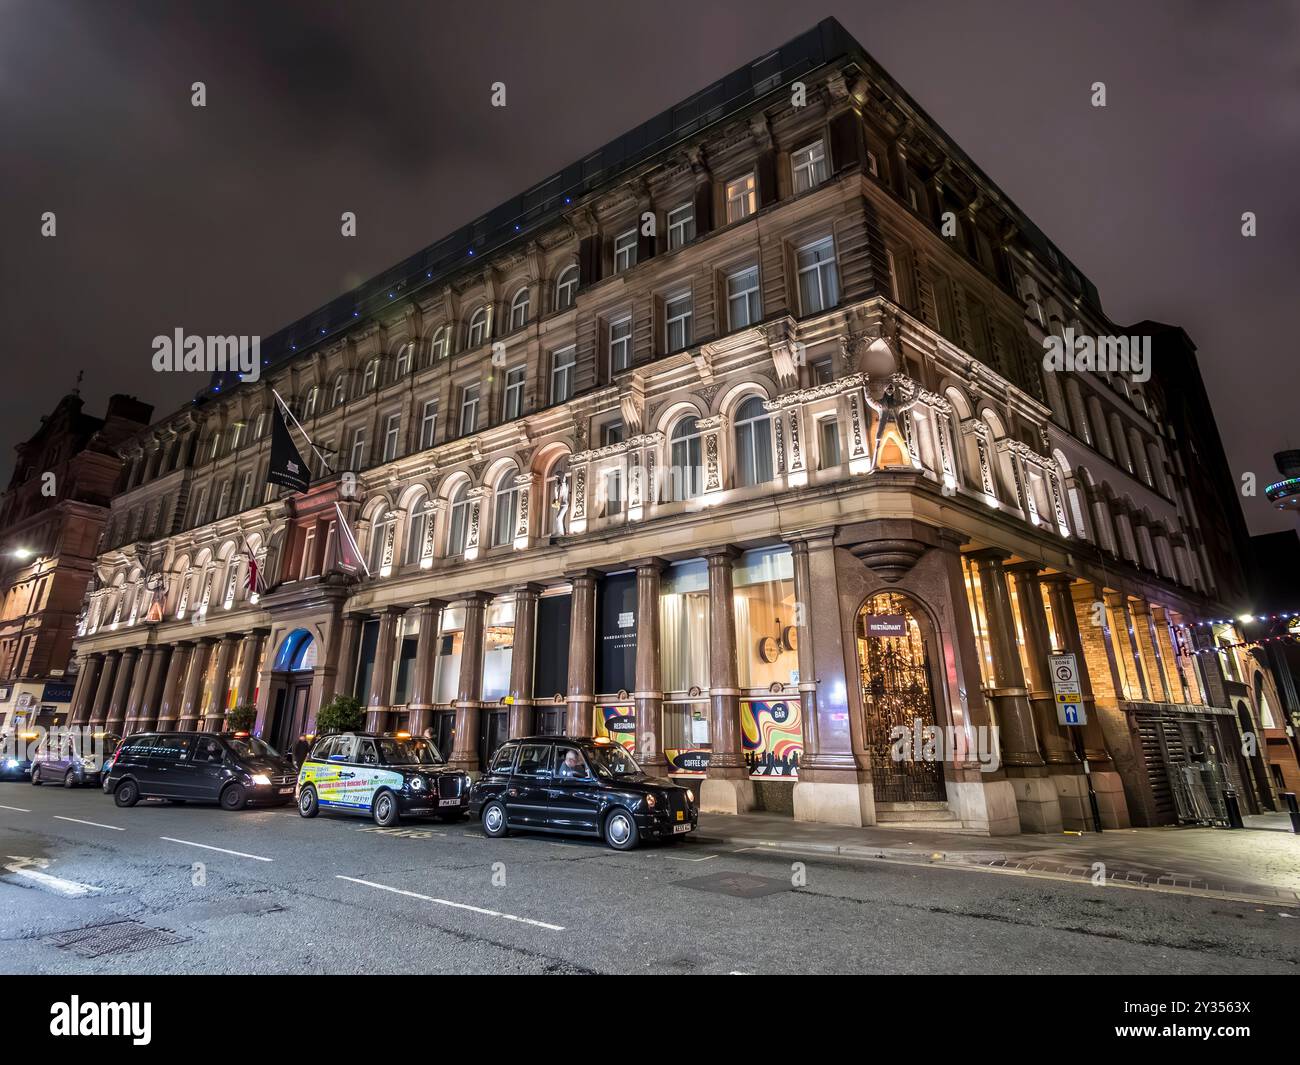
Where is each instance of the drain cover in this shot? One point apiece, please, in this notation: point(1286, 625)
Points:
point(120, 937)
point(737, 885)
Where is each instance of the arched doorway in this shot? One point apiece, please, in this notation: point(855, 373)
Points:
point(291, 679)
point(894, 673)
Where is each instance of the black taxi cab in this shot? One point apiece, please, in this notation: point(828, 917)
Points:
point(388, 776)
point(579, 786)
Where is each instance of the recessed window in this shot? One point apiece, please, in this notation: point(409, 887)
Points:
point(611, 433)
point(505, 509)
point(677, 322)
point(371, 377)
point(685, 456)
point(340, 388)
point(741, 198)
point(809, 166)
point(469, 409)
point(828, 442)
point(681, 225)
point(743, 305)
point(512, 405)
point(402, 364)
point(440, 347)
point(457, 521)
point(392, 436)
point(753, 443)
point(566, 289)
point(478, 328)
point(519, 310)
point(428, 424)
point(313, 398)
point(625, 251)
point(823, 371)
point(417, 530)
point(819, 284)
point(562, 364)
point(358, 454)
point(246, 491)
point(620, 345)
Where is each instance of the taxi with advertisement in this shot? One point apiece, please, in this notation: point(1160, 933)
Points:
point(388, 776)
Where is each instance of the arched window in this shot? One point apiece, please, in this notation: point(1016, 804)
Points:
point(340, 390)
point(566, 288)
point(402, 364)
point(753, 443)
point(417, 529)
point(519, 309)
point(686, 459)
point(313, 398)
point(440, 347)
point(505, 509)
point(370, 380)
point(385, 519)
point(478, 328)
point(458, 522)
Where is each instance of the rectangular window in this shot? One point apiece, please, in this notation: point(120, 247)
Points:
point(873, 166)
point(223, 500)
point(681, 225)
point(428, 424)
point(513, 404)
point(677, 322)
point(823, 371)
point(613, 491)
point(818, 277)
point(743, 308)
point(469, 409)
point(562, 364)
point(392, 436)
point(742, 198)
point(828, 441)
point(620, 345)
point(611, 433)
point(809, 166)
point(201, 507)
point(246, 491)
point(358, 457)
point(625, 251)
point(764, 590)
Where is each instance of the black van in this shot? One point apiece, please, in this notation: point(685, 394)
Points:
point(230, 768)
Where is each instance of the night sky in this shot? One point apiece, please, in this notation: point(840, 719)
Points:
point(226, 219)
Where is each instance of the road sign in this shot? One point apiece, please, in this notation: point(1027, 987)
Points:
point(1067, 689)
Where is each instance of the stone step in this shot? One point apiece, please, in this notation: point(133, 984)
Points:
point(921, 815)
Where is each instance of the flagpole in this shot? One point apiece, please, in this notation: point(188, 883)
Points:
point(285, 407)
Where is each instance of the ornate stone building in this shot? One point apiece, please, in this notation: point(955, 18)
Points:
point(731, 441)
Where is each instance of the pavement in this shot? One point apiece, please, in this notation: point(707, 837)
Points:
point(88, 888)
point(1259, 862)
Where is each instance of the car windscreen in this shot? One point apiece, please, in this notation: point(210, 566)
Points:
point(251, 747)
point(612, 760)
point(395, 751)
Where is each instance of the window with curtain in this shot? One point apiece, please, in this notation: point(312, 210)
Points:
point(753, 443)
point(458, 522)
point(765, 612)
point(686, 459)
point(505, 509)
point(417, 529)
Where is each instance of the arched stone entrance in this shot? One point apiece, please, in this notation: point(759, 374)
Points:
point(893, 643)
point(290, 696)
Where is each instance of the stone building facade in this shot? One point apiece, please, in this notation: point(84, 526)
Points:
point(731, 441)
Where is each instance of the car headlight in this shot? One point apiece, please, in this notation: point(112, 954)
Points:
point(11, 763)
point(417, 783)
point(650, 801)
point(690, 795)
point(261, 778)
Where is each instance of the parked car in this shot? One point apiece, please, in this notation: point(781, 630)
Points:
point(388, 776)
point(15, 757)
point(73, 759)
point(230, 768)
point(579, 786)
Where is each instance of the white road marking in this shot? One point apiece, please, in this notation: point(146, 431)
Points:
point(679, 858)
point(223, 850)
point(68, 888)
point(16, 809)
point(79, 821)
point(453, 905)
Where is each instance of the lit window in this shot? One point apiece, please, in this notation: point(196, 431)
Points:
point(687, 473)
point(809, 165)
point(439, 348)
point(741, 198)
point(566, 289)
point(681, 226)
point(505, 509)
point(339, 389)
point(392, 435)
point(458, 520)
point(677, 322)
point(371, 378)
point(313, 398)
point(418, 530)
point(828, 440)
point(625, 250)
point(469, 409)
point(753, 443)
point(513, 404)
point(358, 448)
point(428, 424)
point(743, 308)
point(402, 365)
point(562, 365)
point(478, 328)
point(519, 310)
point(818, 276)
point(620, 345)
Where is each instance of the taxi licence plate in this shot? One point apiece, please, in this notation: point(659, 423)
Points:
point(286, 791)
point(680, 828)
point(448, 802)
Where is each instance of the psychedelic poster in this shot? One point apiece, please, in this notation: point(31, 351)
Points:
point(687, 762)
point(618, 723)
point(772, 734)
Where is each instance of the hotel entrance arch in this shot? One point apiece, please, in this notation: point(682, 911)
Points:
point(893, 642)
point(291, 680)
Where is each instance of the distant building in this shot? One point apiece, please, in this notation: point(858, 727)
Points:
point(51, 517)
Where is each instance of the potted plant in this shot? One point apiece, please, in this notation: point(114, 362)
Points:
point(342, 713)
point(241, 718)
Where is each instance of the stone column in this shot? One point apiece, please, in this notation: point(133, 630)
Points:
point(159, 660)
point(215, 718)
point(254, 643)
point(522, 719)
point(345, 679)
point(135, 696)
point(1125, 643)
point(420, 705)
point(469, 697)
point(649, 694)
point(1036, 801)
point(381, 676)
point(116, 718)
point(87, 681)
point(1165, 641)
point(1144, 626)
point(170, 702)
point(104, 690)
point(727, 788)
point(1063, 593)
point(1057, 747)
point(582, 654)
point(192, 694)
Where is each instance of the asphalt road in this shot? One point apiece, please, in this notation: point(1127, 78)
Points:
point(264, 891)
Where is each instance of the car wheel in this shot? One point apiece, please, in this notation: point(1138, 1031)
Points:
point(494, 820)
point(126, 793)
point(308, 806)
point(36, 775)
point(69, 779)
point(234, 797)
point(384, 809)
point(620, 830)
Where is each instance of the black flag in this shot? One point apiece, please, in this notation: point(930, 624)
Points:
point(287, 468)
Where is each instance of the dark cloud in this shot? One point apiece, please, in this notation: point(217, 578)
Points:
point(226, 219)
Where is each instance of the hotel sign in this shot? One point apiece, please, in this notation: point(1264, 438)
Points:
point(886, 625)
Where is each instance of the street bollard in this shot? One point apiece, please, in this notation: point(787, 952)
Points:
point(1293, 810)
point(1234, 808)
